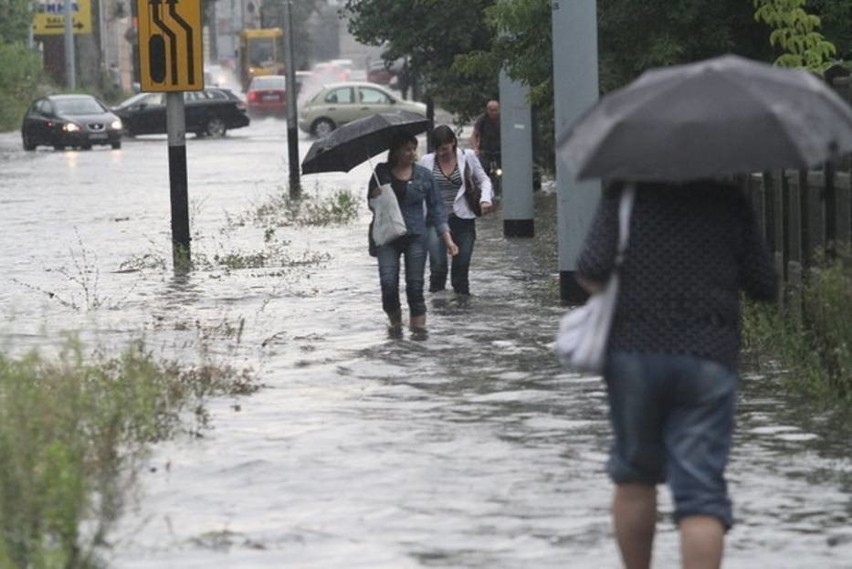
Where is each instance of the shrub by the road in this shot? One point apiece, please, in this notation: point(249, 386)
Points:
point(74, 431)
point(20, 78)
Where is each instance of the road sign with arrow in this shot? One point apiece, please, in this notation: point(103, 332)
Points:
point(170, 48)
point(49, 18)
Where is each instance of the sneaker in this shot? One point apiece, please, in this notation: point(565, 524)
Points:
point(395, 332)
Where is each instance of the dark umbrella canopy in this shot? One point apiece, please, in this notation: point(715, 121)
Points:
point(721, 116)
point(360, 140)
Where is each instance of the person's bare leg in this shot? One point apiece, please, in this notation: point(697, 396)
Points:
point(702, 540)
point(634, 514)
point(417, 321)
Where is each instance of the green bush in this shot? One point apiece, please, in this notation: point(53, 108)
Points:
point(72, 433)
point(816, 350)
point(20, 78)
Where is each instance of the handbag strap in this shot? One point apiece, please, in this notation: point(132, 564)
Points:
point(625, 208)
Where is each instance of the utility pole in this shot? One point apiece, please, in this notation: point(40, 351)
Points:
point(70, 69)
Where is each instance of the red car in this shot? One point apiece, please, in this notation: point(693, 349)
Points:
point(267, 96)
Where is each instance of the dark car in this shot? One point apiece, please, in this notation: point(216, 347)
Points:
point(80, 121)
point(211, 112)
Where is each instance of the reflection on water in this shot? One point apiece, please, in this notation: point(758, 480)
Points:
point(471, 449)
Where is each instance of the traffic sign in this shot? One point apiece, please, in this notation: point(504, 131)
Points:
point(170, 48)
point(49, 18)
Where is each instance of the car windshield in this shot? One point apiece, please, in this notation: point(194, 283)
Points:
point(80, 106)
point(268, 82)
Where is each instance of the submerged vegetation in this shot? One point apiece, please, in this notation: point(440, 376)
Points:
point(813, 345)
point(307, 210)
point(73, 432)
point(75, 428)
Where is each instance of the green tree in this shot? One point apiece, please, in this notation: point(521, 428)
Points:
point(15, 20)
point(795, 31)
point(20, 76)
point(458, 48)
point(636, 36)
point(20, 67)
point(431, 34)
point(835, 17)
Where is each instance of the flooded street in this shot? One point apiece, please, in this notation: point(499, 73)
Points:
point(469, 450)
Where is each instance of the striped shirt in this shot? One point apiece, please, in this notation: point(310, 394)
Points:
point(448, 185)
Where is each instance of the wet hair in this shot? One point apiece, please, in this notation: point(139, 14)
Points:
point(442, 134)
point(398, 142)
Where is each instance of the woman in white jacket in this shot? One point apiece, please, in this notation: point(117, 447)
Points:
point(447, 164)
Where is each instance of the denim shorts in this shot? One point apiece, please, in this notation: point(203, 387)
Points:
point(673, 420)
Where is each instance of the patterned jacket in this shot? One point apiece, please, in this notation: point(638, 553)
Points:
point(691, 250)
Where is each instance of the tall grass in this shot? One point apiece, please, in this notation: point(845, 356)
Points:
point(72, 433)
point(816, 350)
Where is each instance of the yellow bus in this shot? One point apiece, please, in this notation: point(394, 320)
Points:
point(261, 53)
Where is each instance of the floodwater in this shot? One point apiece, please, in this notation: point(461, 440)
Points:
point(470, 450)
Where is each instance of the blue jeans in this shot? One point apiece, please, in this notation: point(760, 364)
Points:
point(413, 249)
point(673, 420)
point(463, 232)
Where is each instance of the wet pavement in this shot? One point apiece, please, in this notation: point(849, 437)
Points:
point(471, 449)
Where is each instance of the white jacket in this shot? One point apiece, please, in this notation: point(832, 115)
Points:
point(463, 157)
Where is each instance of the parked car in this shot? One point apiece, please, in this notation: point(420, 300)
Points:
point(338, 103)
point(267, 96)
point(211, 112)
point(60, 121)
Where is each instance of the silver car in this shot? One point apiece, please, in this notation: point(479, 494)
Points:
point(338, 103)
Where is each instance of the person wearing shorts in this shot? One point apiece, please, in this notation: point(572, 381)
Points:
point(672, 355)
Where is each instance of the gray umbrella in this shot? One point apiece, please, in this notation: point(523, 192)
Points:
point(721, 116)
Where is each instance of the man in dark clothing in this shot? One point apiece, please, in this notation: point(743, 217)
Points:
point(673, 353)
point(485, 140)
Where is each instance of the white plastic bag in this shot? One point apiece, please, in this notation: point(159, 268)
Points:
point(388, 223)
point(583, 331)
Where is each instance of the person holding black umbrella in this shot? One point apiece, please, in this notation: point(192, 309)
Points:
point(416, 191)
point(693, 244)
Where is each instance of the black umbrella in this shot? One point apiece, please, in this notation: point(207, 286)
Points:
point(359, 140)
point(726, 115)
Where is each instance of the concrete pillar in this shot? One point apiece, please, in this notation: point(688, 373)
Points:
point(575, 90)
point(517, 159)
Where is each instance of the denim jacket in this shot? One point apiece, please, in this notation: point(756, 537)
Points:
point(422, 190)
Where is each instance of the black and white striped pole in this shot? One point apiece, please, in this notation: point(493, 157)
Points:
point(176, 128)
point(171, 61)
point(292, 96)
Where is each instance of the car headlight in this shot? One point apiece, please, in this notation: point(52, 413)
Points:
point(70, 127)
point(116, 124)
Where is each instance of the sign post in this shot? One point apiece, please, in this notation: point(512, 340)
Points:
point(171, 60)
point(49, 17)
point(292, 96)
point(171, 55)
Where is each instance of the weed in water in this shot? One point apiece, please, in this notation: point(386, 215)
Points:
point(281, 210)
point(816, 351)
point(73, 433)
point(84, 274)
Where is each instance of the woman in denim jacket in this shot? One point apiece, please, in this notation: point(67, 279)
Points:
point(417, 192)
